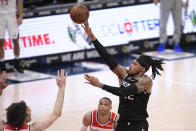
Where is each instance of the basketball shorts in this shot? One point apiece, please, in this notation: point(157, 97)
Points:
point(132, 125)
point(9, 22)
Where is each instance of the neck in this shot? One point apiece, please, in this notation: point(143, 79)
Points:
point(137, 76)
point(103, 115)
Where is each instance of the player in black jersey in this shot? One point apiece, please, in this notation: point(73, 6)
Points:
point(135, 86)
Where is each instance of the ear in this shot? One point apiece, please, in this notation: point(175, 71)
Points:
point(143, 69)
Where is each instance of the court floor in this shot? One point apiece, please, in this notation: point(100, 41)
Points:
point(172, 105)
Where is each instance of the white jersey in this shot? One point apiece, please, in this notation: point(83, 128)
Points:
point(8, 6)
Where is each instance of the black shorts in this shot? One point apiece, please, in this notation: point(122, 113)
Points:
point(132, 125)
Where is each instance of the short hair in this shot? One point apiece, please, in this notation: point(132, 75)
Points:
point(16, 114)
point(106, 98)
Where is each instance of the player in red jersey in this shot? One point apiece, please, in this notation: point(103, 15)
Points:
point(19, 114)
point(102, 119)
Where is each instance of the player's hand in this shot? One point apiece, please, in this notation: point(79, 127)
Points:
point(155, 2)
point(93, 81)
point(3, 83)
point(20, 18)
point(87, 29)
point(61, 78)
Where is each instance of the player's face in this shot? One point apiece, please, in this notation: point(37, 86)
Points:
point(28, 117)
point(135, 68)
point(104, 106)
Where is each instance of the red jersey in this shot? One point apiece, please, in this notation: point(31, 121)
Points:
point(97, 126)
point(25, 127)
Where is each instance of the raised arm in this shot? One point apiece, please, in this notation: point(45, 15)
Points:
point(119, 70)
point(86, 122)
point(3, 83)
point(144, 84)
point(56, 113)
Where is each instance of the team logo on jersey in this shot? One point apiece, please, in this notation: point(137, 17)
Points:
point(125, 84)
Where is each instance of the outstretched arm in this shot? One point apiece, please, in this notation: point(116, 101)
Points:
point(3, 83)
point(86, 122)
point(144, 84)
point(47, 121)
point(119, 70)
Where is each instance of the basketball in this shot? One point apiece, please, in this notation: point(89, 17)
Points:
point(79, 13)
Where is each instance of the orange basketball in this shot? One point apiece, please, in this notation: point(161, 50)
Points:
point(79, 13)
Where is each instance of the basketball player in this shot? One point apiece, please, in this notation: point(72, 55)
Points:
point(11, 17)
point(19, 114)
point(101, 119)
point(135, 86)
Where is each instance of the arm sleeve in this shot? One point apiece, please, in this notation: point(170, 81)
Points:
point(123, 92)
point(83, 128)
point(109, 59)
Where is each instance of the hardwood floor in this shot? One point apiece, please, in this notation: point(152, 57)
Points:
point(172, 105)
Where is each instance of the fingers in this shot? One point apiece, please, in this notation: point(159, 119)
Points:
point(66, 74)
point(83, 26)
point(87, 82)
point(86, 23)
point(3, 76)
point(86, 75)
point(58, 74)
point(7, 84)
point(86, 78)
point(62, 73)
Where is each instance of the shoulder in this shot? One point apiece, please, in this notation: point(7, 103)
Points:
point(117, 117)
point(2, 124)
point(148, 82)
point(115, 120)
point(87, 118)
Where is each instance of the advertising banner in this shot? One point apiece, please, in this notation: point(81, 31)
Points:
point(115, 26)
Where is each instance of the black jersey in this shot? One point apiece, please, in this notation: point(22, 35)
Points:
point(133, 107)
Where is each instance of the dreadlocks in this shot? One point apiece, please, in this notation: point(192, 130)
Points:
point(147, 61)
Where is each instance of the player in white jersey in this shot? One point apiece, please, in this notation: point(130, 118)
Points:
point(11, 17)
point(102, 119)
point(19, 114)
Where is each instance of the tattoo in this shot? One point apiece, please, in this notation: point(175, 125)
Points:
point(143, 84)
point(140, 87)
